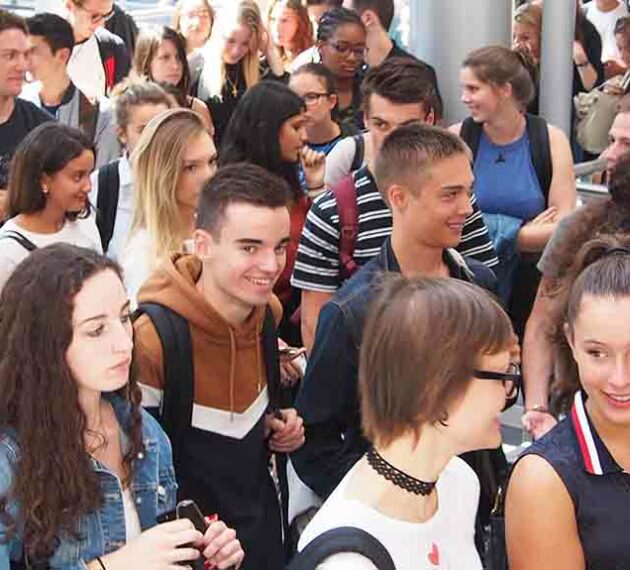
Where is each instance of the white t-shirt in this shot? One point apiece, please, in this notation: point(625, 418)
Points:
point(445, 542)
point(124, 212)
point(85, 68)
point(137, 259)
point(82, 232)
point(605, 24)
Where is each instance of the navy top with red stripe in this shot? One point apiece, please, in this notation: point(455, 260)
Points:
point(598, 486)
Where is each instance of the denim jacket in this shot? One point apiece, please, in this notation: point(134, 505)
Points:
point(327, 399)
point(153, 488)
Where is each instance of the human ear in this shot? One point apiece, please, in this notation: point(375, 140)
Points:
point(568, 334)
point(398, 196)
point(203, 242)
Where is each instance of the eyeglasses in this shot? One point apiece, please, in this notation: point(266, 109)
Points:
point(511, 380)
point(96, 18)
point(312, 98)
point(346, 49)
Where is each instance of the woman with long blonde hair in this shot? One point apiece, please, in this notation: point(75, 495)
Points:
point(172, 160)
point(233, 61)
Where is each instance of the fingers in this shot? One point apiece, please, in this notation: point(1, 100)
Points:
point(311, 157)
point(183, 555)
point(222, 546)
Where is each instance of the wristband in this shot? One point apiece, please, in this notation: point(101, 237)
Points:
point(98, 559)
point(315, 188)
point(541, 409)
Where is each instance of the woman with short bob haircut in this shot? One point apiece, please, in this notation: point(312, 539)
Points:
point(173, 158)
point(160, 56)
point(567, 501)
point(435, 372)
point(47, 198)
point(84, 471)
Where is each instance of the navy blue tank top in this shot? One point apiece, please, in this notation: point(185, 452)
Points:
point(598, 486)
point(505, 179)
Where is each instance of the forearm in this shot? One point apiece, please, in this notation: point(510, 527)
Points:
point(312, 303)
point(533, 238)
point(588, 75)
point(537, 363)
point(274, 61)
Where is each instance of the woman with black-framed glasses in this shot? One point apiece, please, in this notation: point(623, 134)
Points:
point(341, 47)
point(435, 373)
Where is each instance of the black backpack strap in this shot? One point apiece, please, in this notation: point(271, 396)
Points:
point(359, 153)
point(343, 539)
point(26, 243)
point(278, 398)
point(471, 134)
point(179, 374)
point(540, 149)
point(107, 201)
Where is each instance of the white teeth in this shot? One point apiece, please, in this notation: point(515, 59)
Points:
point(262, 282)
point(619, 398)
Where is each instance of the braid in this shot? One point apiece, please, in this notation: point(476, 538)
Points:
point(334, 19)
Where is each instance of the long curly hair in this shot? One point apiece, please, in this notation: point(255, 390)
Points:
point(54, 483)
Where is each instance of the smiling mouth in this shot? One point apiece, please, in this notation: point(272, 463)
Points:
point(260, 282)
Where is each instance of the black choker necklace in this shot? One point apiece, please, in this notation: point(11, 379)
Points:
point(398, 477)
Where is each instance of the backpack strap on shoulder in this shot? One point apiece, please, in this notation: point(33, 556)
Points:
point(540, 149)
point(359, 153)
point(179, 375)
point(26, 243)
point(471, 134)
point(107, 201)
point(88, 116)
point(343, 539)
point(346, 195)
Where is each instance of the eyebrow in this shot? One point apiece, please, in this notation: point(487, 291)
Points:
point(249, 241)
point(104, 316)
point(199, 160)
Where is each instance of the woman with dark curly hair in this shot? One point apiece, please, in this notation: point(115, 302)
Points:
point(84, 471)
point(567, 499)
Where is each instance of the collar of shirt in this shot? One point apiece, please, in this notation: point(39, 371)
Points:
point(595, 455)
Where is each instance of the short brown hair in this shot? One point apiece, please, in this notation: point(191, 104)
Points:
point(384, 9)
point(410, 150)
point(239, 182)
point(499, 66)
point(11, 21)
point(134, 91)
point(422, 341)
point(403, 81)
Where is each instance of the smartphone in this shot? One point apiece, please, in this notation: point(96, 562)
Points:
point(187, 510)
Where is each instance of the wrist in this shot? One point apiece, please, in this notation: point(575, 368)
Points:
point(540, 408)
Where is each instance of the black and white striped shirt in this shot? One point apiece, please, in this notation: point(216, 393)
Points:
point(317, 263)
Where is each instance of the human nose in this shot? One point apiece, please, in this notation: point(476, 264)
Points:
point(465, 207)
point(122, 341)
point(303, 135)
point(270, 263)
point(620, 376)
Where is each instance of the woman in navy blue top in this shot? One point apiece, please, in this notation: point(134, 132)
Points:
point(568, 500)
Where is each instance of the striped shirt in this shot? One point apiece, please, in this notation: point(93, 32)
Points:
point(317, 266)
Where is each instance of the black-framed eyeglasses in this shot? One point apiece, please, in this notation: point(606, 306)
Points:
point(313, 97)
point(346, 49)
point(512, 381)
point(96, 18)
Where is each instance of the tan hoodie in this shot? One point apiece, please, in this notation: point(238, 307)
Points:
point(228, 362)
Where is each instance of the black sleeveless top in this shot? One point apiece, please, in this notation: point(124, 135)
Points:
point(599, 488)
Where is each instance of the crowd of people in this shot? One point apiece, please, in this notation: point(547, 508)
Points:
point(262, 308)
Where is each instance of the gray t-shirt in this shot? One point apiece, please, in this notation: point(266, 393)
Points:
point(545, 266)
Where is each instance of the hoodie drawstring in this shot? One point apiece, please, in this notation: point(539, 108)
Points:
point(232, 371)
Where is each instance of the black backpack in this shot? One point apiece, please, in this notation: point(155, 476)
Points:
point(26, 243)
point(342, 539)
point(107, 201)
point(179, 379)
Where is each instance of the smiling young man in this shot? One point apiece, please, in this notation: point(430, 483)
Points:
point(99, 59)
point(426, 179)
point(214, 382)
point(17, 117)
point(397, 92)
point(51, 42)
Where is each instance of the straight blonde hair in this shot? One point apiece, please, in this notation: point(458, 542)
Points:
point(213, 76)
point(157, 166)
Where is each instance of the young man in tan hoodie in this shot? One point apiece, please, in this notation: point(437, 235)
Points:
point(207, 351)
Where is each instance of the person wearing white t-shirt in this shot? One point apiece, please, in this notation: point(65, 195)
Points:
point(604, 14)
point(136, 101)
point(435, 373)
point(48, 195)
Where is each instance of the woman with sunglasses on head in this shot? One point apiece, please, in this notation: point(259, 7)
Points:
point(160, 56)
point(421, 408)
point(82, 486)
point(567, 503)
